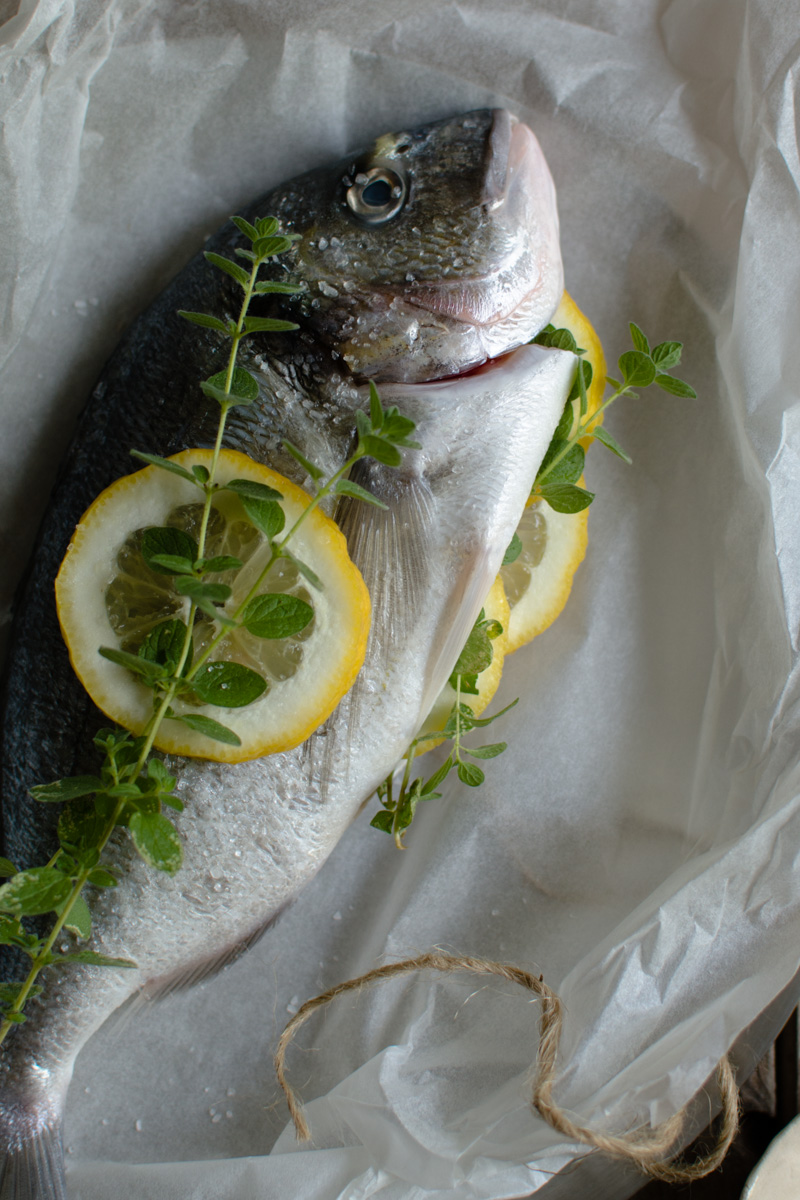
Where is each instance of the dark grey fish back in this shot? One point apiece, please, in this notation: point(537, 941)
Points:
point(147, 398)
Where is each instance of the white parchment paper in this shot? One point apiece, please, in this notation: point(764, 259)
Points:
point(639, 841)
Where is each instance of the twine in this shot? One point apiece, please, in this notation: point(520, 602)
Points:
point(649, 1149)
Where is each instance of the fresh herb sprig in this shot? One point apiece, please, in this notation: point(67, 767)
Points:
point(562, 466)
point(399, 808)
point(557, 483)
point(132, 788)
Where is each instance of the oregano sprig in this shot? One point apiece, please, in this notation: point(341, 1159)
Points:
point(557, 483)
point(399, 808)
point(562, 466)
point(132, 788)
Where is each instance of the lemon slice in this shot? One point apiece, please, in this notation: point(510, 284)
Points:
point(496, 608)
point(107, 595)
point(569, 316)
point(538, 583)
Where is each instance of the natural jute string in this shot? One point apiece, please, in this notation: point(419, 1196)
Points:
point(649, 1149)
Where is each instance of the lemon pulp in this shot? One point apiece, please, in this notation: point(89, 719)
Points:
point(138, 598)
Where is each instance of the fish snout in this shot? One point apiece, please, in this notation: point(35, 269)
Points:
point(521, 279)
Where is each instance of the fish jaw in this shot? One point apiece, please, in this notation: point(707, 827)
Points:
point(469, 267)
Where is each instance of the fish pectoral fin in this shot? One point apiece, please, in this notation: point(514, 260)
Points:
point(392, 547)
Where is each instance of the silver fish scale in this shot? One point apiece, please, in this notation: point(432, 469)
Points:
point(254, 833)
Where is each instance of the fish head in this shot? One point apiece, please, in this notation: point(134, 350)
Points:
point(430, 252)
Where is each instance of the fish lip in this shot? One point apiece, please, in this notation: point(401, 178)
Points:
point(441, 304)
point(492, 363)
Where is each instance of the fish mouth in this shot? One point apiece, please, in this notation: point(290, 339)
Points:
point(494, 363)
point(505, 363)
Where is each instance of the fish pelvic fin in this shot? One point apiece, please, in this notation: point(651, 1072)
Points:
point(32, 1163)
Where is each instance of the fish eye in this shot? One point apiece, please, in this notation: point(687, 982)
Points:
point(377, 195)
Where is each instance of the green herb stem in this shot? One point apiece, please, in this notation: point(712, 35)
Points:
point(209, 488)
point(397, 832)
point(583, 427)
point(41, 960)
point(277, 553)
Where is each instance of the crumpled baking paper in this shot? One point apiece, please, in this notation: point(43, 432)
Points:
point(638, 843)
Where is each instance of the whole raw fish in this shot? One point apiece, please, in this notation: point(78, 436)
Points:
point(425, 260)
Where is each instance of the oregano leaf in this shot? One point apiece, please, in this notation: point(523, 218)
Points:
point(205, 319)
point(66, 789)
point(210, 728)
point(566, 498)
point(513, 551)
point(245, 227)
point(155, 460)
point(276, 615)
point(157, 842)
point(638, 369)
point(638, 338)
point(249, 487)
point(667, 355)
point(31, 893)
point(228, 266)
point(381, 450)
point(228, 684)
point(306, 463)
point(490, 751)
point(347, 487)
point(167, 542)
point(602, 435)
point(268, 325)
point(383, 820)
point(676, 387)
point(148, 672)
point(266, 515)
point(469, 774)
point(244, 386)
point(305, 570)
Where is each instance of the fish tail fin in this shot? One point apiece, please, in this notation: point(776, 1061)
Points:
point(32, 1165)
